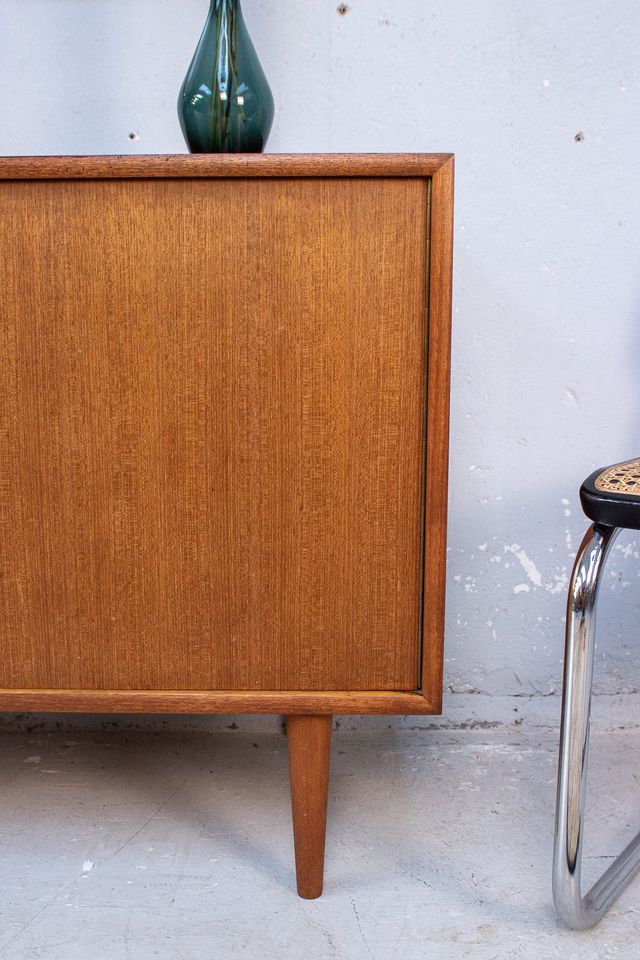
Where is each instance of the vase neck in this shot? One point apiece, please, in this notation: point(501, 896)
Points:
point(216, 5)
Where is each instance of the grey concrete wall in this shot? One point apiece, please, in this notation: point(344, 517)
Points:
point(540, 103)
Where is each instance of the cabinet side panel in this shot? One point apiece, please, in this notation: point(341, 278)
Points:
point(211, 399)
point(437, 434)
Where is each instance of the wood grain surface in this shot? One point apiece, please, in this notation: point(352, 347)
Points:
point(211, 405)
point(226, 165)
point(437, 430)
point(309, 746)
point(218, 701)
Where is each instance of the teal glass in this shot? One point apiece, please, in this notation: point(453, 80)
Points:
point(225, 104)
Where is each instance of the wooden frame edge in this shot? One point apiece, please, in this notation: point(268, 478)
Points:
point(437, 461)
point(224, 165)
point(214, 701)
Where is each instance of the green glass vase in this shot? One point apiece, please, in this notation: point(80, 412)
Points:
point(225, 103)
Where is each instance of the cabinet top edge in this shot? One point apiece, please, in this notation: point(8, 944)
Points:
point(224, 165)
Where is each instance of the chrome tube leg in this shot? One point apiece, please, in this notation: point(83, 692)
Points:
point(577, 911)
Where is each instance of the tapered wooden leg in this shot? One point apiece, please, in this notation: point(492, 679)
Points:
point(309, 739)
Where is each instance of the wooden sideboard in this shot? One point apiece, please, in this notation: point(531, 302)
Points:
point(224, 405)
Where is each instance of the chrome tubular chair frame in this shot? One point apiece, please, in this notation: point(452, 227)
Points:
point(577, 911)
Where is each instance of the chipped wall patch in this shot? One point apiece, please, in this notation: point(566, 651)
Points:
point(526, 563)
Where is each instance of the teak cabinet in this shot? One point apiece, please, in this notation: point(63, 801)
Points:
point(223, 446)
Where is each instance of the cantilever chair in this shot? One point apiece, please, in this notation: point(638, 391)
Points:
point(611, 498)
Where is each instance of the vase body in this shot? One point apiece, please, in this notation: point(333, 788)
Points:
point(225, 103)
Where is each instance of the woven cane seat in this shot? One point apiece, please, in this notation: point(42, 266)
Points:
point(611, 495)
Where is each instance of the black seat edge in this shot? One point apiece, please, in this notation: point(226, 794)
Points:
point(608, 507)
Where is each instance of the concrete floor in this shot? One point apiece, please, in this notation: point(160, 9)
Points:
point(125, 839)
